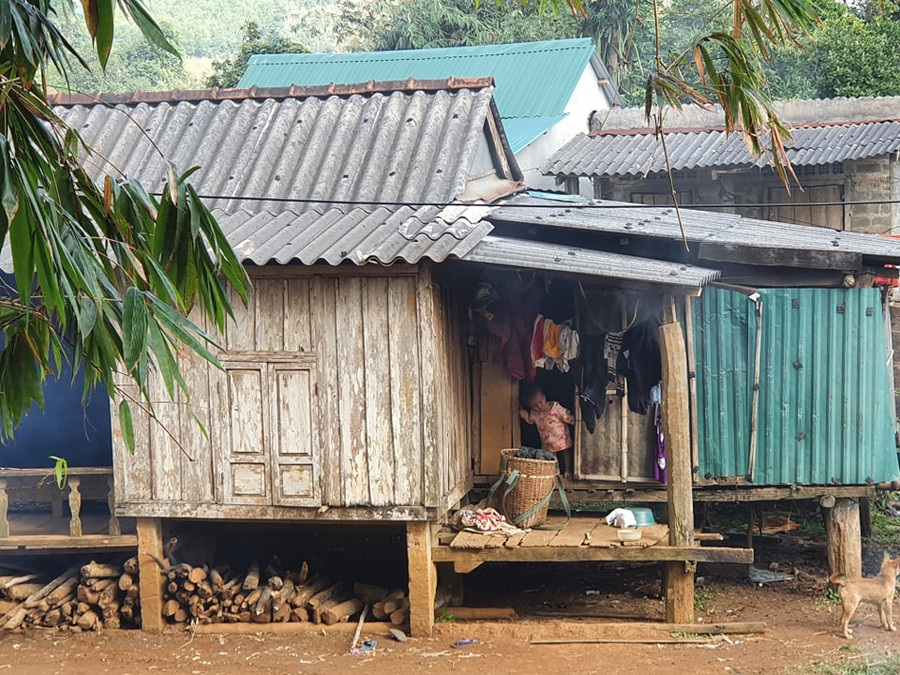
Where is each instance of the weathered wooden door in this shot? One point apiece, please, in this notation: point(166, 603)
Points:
point(267, 447)
point(293, 432)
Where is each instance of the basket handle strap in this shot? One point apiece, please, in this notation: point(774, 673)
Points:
point(565, 503)
point(504, 463)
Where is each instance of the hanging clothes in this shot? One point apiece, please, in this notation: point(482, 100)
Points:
point(660, 465)
point(510, 316)
point(553, 345)
point(592, 377)
point(640, 362)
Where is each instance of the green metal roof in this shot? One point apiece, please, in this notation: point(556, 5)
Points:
point(532, 79)
point(825, 402)
point(521, 131)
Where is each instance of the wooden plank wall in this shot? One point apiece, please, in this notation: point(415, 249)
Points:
point(454, 427)
point(391, 395)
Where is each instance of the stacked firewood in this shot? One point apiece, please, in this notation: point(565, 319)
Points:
point(272, 594)
point(84, 597)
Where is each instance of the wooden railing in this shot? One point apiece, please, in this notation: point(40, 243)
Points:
point(39, 485)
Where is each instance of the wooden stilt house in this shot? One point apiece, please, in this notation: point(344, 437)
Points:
point(357, 385)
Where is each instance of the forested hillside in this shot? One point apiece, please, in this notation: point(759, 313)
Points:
point(855, 51)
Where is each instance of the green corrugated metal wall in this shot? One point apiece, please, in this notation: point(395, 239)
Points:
point(825, 405)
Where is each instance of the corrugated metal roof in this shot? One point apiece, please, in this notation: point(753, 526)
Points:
point(825, 402)
point(700, 226)
point(634, 153)
point(528, 254)
point(361, 236)
point(259, 154)
point(533, 79)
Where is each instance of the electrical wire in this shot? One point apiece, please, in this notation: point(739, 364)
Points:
point(557, 205)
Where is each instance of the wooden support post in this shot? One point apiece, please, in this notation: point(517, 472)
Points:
point(4, 509)
point(115, 529)
point(150, 541)
point(75, 506)
point(422, 578)
point(679, 576)
point(844, 543)
point(865, 517)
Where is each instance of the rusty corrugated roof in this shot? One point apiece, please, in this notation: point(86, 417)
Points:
point(308, 174)
point(635, 152)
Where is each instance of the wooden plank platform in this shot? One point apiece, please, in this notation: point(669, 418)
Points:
point(62, 542)
point(583, 539)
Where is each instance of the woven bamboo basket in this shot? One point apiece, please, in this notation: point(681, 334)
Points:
point(536, 481)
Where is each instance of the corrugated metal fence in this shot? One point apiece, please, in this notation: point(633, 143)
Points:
point(825, 401)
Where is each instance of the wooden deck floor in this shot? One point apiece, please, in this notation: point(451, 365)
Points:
point(583, 539)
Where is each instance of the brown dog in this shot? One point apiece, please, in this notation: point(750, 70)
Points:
point(877, 590)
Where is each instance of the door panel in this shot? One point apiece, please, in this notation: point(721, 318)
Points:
point(293, 431)
point(244, 451)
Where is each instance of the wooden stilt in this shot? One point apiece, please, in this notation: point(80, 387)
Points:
point(150, 541)
point(844, 543)
point(865, 517)
point(422, 578)
point(678, 576)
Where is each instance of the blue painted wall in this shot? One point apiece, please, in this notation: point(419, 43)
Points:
point(67, 427)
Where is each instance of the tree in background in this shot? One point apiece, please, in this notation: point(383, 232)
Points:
point(105, 274)
point(855, 51)
point(135, 65)
point(228, 72)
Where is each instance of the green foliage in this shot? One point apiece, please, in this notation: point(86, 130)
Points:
point(446, 616)
point(104, 273)
point(851, 53)
point(855, 664)
point(228, 72)
point(420, 24)
point(134, 65)
point(703, 600)
point(60, 471)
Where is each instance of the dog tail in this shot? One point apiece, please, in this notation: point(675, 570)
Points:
point(838, 579)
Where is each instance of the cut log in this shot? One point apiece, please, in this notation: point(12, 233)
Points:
point(442, 597)
point(319, 598)
point(170, 607)
point(197, 575)
point(251, 581)
point(131, 565)
point(204, 590)
point(284, 596)
point(299, 615)
point(88, 620)
point(378, 610)
point(188, 585)
point(302, 594)
point(100, 571)
point(391, 606)
point(15, 581)
point(303, 574)
point(113, 622)
point(52, 618)
point(275, 582)
point(103, 584)
point(172, 587)
point(181, 615)
point(400, 616)
point(126, 581)
point(109, 596)
point(252, 599)
point(282, 614)
point(264, 603)
point(217, 578)
point(369, 593)
point(87, 595)
point(342, 612)
point(23, 591)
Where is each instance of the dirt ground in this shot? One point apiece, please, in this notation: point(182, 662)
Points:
point(802, 631)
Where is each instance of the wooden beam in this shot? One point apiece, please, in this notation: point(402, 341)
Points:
point(658, 553)
point(63, 542)
point(247, 512)
point(422, 578)
point(780, 257)
point(844, 542)
point(150, 542)
point(294, 628)
point(679, 577)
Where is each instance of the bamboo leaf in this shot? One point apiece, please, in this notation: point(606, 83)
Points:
point(134, 327)
point(126, 424)
point(105, 29)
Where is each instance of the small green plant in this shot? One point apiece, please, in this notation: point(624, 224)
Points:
point(445, 616)
point(684, 635)
point(830, 598)
point(870, 665)
point(60, 471)
point(702, 600)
